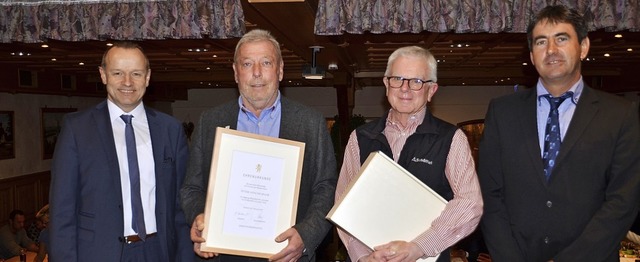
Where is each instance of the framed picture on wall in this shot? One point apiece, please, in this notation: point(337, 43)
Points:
point(51, 126)
point(7, 129)
point(67, 82)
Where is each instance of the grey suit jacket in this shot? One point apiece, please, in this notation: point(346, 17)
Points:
point(594, 190)
point(319, 172)
point(86, 196)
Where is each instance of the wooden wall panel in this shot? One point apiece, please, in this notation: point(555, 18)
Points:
point(6, 205)
point(26, 200)
point(28, 193)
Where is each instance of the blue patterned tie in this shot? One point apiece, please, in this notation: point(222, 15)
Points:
point(137, 222)
point(552, 137)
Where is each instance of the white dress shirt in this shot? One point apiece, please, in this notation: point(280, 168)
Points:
point(145, 163)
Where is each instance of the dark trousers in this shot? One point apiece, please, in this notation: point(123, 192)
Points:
point(143, 251)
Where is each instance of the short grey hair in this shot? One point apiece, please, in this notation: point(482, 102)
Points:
point(256, 35)
point(415, 51)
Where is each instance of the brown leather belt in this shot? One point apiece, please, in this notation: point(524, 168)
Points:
point(135, 238)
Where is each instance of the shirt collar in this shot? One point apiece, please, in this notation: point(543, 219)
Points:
point(270, 111)
point(115, 112)
point(575, 88)
point(415, 119)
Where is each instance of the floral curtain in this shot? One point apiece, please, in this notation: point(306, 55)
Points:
point(336, 17)
point(33, 21)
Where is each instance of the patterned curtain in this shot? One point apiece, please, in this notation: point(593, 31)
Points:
point(33, 21)
point(336, 17)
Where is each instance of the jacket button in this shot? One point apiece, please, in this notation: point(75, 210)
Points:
point(549, 204)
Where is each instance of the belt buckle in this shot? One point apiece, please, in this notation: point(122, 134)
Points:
point(127, 240)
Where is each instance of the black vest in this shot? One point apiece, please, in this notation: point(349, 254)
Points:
point(424, 154)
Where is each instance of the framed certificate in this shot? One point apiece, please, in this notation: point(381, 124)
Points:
point(409, 205)
point(253, 193)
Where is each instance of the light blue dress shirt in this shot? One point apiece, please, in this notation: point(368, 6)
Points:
point(565, 110)
point(268, 124)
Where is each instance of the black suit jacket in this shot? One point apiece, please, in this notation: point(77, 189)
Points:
point(592, 198)
point(86, 196)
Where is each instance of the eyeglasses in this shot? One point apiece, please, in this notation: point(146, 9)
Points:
point(415, 84)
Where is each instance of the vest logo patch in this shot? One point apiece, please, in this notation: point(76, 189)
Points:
point(423, 160)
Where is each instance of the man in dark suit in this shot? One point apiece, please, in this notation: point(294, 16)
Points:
point(578, 206)
point(91, 199)
point(261, 109)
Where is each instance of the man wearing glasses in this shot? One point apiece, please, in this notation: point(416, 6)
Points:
point(434, 151)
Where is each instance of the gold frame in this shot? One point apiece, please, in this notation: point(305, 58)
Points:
point(240, 218)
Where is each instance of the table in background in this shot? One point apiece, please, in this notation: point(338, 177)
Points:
point(30, 257)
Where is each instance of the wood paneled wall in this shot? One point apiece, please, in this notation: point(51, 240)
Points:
point(28, 193)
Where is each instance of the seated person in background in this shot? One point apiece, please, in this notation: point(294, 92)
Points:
point(43, 245)
point(42, 219)
point(13, 237)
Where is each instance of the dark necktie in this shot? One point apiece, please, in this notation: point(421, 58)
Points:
point(552, 137)
point(137, 222)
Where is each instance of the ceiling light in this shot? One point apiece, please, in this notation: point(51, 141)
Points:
point(109, 44)
point(208, 68)
point(524, 63)
point(607, 55)
point(81, 63)
point(53, 59)
point(197, 50)
point(459, 45)
point(618, 36)
point(44, 46)
point(630, 49)
point(215, 55)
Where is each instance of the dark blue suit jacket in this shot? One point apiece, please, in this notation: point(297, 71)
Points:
point(85, 196)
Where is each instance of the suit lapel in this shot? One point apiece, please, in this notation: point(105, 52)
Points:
point(529, 126)
point(105, 133)
point(156, 132)
point(287, 129)
point(585, 111)
point(157, 141)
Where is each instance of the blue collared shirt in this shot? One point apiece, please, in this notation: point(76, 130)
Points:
point(565, 110)
point(268, 124)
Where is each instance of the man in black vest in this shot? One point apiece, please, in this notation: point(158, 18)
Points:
point(434, 151)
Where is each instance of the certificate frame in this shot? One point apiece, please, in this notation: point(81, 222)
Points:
point(246, 206)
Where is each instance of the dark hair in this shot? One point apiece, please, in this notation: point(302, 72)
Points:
point(14, 213)
point(125, 45)
point(559, 14)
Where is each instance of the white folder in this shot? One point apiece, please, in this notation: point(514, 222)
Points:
point(385, 202)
